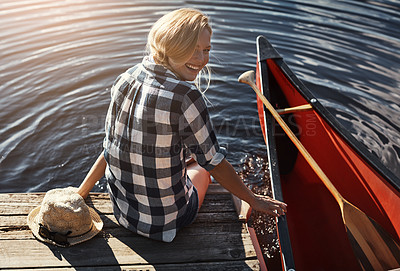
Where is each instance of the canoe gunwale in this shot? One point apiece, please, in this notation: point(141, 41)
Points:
point(285, 246)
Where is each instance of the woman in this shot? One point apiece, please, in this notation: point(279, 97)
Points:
point(155, 119)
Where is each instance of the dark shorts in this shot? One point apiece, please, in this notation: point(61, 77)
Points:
point(191, 211)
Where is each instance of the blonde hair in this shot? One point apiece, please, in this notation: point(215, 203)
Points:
point(175, 35)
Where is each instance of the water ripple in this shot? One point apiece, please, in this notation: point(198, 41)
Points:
point(59, 59)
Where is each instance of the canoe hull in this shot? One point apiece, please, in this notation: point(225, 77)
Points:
point(313, 234)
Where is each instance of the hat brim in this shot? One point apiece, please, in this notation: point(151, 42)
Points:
point(96, 227)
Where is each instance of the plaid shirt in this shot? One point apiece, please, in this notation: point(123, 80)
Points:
point(152, 121)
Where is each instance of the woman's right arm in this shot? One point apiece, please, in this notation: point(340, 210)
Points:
point(227, 177)
point(95, 174)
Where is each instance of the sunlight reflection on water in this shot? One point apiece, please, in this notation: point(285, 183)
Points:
point(59, 59)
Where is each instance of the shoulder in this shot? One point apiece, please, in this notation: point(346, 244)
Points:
point(127, 77)
point(182, 88)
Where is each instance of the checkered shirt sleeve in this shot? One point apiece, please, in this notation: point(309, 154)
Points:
point(197, 131)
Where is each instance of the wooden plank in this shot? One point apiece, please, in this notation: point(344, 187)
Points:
point(127, 250)
point(246, 265)
point(15, 222)
point(22, 204)
point(34, 199)
point(21, 233)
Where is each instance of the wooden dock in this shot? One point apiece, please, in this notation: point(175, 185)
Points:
point(217, 240)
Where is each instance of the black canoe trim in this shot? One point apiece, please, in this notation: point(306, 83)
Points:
point(282, 226)
point(265, 46)
point(265, 50)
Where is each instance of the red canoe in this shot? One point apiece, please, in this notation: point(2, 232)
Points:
point(312, 235)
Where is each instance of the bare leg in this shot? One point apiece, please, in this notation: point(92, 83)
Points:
point(200, 179)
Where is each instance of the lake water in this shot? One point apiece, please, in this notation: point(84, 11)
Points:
point(59, 59)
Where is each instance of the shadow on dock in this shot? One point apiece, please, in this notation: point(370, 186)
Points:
point(217, 240)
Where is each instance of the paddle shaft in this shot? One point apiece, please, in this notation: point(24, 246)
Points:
point(248, 78)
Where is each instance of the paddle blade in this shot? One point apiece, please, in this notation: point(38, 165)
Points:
point(374, 247)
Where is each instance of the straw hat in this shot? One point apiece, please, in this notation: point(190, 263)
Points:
point(64, 219)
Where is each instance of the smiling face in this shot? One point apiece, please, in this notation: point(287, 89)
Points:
point(189, 70)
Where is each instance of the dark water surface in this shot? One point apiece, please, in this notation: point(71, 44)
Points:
point(58, 60)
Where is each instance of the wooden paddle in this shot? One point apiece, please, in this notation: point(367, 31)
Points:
point(373, 246)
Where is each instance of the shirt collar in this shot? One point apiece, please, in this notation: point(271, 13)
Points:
point(149, 63)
